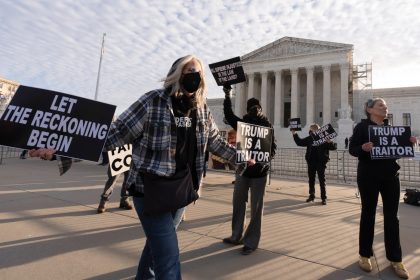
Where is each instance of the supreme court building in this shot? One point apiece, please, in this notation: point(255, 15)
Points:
point(302, 78)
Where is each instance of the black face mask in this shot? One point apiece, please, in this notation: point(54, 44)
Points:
point(191, 82)
point(254, 111)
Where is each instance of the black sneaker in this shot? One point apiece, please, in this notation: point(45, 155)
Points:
point(125, 204)
point(324, 202)
point(310, 199)
point(247, 250)
point(230, 240)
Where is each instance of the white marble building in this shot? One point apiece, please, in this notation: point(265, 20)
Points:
point(403, 105)
point(303, 78)
point(7, 90)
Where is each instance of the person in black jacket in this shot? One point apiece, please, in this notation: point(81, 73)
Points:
point(374, 177)
point(316, 157)
point(247, 178)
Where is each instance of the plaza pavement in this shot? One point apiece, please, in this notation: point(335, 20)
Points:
point(49, 229)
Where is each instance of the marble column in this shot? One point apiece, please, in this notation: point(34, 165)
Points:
point(310, 95)
point(278, 99)
point(294, 93)
point(326, 98)
point(264, 93)
point(251, 77)
point(239, 100)
point(344, 77)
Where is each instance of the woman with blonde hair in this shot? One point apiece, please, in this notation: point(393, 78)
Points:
point(170, 129)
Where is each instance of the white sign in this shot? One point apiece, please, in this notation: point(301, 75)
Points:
point(120, 159)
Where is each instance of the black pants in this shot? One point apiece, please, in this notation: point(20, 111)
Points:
point(389, 188)
point(319, 168)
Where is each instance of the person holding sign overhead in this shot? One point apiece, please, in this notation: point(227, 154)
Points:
point(253, 178)
point(170, 129)
point(374, 177)
point(316, 158)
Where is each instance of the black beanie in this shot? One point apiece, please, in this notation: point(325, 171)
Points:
point(252, 102)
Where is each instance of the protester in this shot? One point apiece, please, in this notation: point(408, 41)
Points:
point(170, 129)
point(374, 177)
point(316, 158)
point(248, 178)
point(105, 159)
point(23, 154)
point(109, 188)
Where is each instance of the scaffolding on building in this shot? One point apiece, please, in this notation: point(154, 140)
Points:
point(362, 76)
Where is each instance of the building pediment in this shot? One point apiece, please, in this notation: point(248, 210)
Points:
point(289, 47)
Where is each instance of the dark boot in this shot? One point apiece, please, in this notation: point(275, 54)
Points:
point(102, 206)
point(125, 204)
point(310, 198)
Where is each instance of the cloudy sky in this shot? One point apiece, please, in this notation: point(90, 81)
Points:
point(55, 44)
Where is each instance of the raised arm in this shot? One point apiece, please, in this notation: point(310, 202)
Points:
point(230, 117)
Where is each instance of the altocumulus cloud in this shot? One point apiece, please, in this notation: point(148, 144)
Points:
point(56, 44)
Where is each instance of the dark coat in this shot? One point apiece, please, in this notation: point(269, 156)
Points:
point(259, 169)
point(315, 154)
point(367, 166)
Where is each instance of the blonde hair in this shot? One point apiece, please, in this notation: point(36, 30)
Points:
point(172, 80)
point(314, 127)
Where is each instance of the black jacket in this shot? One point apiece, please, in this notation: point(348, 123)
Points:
point(259, 169)
point(367, 166)
point(315, 154)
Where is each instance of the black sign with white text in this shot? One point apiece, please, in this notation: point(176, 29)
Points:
point(294, 124)
point(75, 127)
point(228, 72)
point(323, 134)
point(390, 142)
point(253, 142)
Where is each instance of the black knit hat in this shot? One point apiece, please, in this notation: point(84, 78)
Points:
point(252, 102)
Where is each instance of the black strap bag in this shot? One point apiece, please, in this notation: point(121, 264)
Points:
point(165, 194)
point(412, 197)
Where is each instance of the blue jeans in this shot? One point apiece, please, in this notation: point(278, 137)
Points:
point(160, 257)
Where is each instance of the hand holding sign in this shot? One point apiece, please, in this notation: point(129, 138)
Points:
point(46, 154)
point(367, 147)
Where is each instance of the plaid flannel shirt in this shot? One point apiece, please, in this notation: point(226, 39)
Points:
point(149, 125)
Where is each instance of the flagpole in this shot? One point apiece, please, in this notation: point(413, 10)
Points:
point(99, 69)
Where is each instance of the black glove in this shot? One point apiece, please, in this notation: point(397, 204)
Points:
point(227, 89)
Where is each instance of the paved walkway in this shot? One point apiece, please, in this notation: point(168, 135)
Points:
point(50, 230)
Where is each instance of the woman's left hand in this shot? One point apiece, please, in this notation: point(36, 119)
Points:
point(251, 162)
point(413, 139)
point(46, 154)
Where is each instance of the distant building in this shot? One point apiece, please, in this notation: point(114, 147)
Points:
point(7, 90)
point(403, 105)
